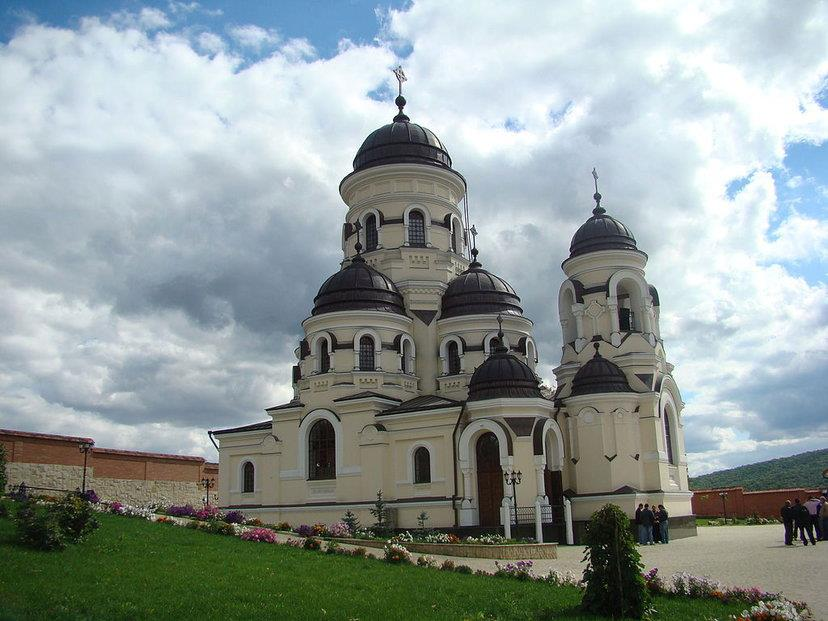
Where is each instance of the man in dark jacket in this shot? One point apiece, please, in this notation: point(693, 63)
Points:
point(647, 519)
point(638, 525)
point(662, 516)
point(787, 514)
point(802, 520)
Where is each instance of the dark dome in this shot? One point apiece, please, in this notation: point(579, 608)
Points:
point(601, 232)
point(599, 375)
point(476, 292)
point(358, 287)
point(401, 142)
point(503, 375)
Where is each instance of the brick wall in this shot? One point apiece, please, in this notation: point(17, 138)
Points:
point(708, 503)
point(133, 477)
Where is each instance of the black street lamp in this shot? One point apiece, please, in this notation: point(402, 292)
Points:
point(208, 483)
point(84, 447)
point(513, 478)
point(723, 496)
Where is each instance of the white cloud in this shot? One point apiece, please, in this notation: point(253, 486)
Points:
point(158, 201)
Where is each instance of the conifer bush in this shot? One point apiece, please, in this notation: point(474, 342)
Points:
point(615, 586)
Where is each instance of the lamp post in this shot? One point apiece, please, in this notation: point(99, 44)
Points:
point(84, 447)
point(208, 483)
point(723, 496)
point(513, 478)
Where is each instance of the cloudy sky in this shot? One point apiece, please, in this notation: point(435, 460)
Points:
point(169, 205)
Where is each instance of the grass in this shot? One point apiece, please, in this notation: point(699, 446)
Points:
point(134, 569)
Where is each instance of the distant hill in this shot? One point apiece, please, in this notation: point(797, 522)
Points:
point(803, 470)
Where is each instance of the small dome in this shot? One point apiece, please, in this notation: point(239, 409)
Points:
point(358, 287)
point(601, 232)
point(502, 375)
point(599, 375)
point(476, 292)
point(401, 142)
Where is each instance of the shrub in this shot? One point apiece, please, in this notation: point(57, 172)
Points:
point(220, 528)
point(75, 517)
point(319, 530)
point(614, 584)
point(21, 493)
point(463, 569)
point(448, 565)
point(426, 561)
point(254, 522)
point(361, 552)
point(181, 511)
point(422, 519)
point(333, 548)
point(522, 570)
point(234, 517)
point(304, 530)
point(312, 543)
point(38, 529)
point(487, 540)
point(208, 512)
point(339, 529)
point(4, 510)
point(441, 538)
point(380, 513)
point(395, 553)
point(351, 520)
point(262, 535)
point(283, 526)
point(4, 478)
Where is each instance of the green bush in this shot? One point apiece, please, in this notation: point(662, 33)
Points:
point(217, 527)
point(312, 543)
point(4, 477)
point(75, 517)
point(614, 584)
point(38, 528)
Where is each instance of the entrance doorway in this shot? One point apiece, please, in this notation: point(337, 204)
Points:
point(489, 479)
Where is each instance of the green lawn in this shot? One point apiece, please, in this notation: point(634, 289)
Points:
point(134, 569)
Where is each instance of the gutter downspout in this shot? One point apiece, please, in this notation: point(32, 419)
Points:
point(454, 451)
point(210, 435)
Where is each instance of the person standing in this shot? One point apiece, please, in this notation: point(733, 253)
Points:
point(802, 520)
point(638, 525)
point(663, 525)
point(813, 510)
point(647, 519)
point(823, 517)
point(787, 514)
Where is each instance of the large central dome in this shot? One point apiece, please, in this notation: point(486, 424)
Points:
point(401, 142)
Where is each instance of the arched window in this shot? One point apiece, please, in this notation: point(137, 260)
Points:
point(322, 451)
point(248, 475)
point(416, 229)
point(668, 438)
point(371, 234)
point(366, 354)
point(453, 352)
point(422, 465)
point(324, 356)
point(454, 236)
point(407, 357)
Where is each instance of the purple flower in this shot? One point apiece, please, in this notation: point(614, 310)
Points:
point(234, 517)
point(304, 530)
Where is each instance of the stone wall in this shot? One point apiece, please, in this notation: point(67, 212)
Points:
point(739, 503)
point(55, 464)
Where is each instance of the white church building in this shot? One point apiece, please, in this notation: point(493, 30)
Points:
point(416, 373)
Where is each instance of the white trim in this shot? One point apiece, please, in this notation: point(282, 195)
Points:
point(406, 338)
point(377, 349)
point(470, 435)
point(364, 232)
point(431, 453)
point(444, 353)
point(367, 504)
point(426, 221)
point(240, 479)
point(533, 359)
point(317, 360)
point(304, 436)
point(456, 233)
point(552, 425)
point(667, 411)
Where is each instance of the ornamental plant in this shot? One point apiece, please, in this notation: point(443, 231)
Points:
point(207, 512)
point(234, 517)
point(396, 553)
point(522, 570)
point(90, 496)
point(615, 586)
point(312, 543)
point(38, 529)
point(319, 530)
point(339, 529)
point(304, 530)
point(262, 535)
point(4, 477)
point(351, 520)
point(181, 510)
point(75, 517)
point(380, 513)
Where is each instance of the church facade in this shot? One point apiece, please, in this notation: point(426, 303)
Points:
point(416, 373)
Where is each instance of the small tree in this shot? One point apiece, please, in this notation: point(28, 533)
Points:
point(422, 519)
point(351, 521)
point(4, 477)
point(380, 513)
point(614, 584)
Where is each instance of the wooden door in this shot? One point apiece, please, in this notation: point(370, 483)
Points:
point(489, 480)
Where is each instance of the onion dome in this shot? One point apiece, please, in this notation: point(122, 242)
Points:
point(401, 142)
point(502, 375)
point(601, 232)
point(599, 375)
point(476, 292)
point(358, 287)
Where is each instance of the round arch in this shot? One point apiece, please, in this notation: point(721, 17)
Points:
point(461, 351)
point(567, 298)
point(240, 477)
point(303, 437)
point(426, 220)
point(315, 345)
point(551, 435)
point(363, 232)
point(377, 347)
point(475, 430)
point(431, 459)
point(487, 342)
point(406, 339)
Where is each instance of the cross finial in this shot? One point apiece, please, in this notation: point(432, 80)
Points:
point(473, 232)
point(474, 251)
point(597, 196)
point(358, 245)
point(400, 75)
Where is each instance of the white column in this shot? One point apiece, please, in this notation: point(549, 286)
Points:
point(538, 522)
point(539, 480)
point(612, 308)
point(570, 535)
point(506, 518)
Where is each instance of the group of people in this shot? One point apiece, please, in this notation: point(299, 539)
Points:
point(808, 520)
point(652, 524)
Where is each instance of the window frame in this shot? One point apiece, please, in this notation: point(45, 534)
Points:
point(421, 470)
point(326, 444)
